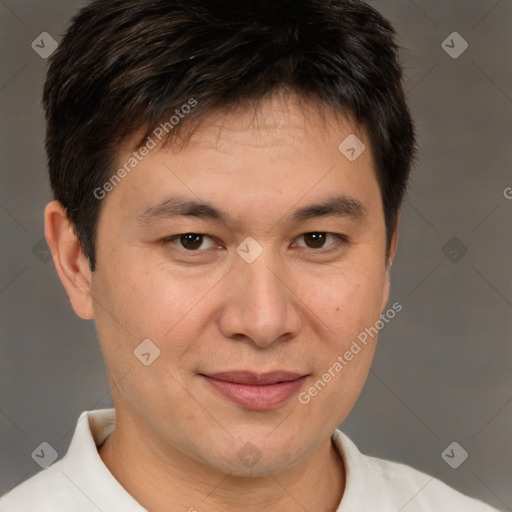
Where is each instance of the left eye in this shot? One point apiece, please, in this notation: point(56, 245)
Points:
point(317, 239)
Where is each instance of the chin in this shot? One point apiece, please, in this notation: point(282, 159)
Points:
point(257, 458)
point(262, 468)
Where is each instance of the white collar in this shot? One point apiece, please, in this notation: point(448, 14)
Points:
point(83, 465)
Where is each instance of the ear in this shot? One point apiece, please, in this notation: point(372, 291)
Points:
point(69, 260)
point(392, 250)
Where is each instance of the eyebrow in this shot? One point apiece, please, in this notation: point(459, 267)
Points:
point(177, 206)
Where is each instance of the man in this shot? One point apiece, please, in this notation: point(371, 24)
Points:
point(228, 179)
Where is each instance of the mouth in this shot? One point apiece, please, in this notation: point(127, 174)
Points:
point(256, 391)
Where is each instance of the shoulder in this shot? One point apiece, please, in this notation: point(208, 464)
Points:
point(417, 491)
point(396, 486)
point(45, 492)
point(80, 481)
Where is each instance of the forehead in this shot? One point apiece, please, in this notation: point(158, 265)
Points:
point(272, 121)
point(277, 148)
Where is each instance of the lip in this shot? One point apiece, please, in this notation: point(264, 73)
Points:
point(256, 391)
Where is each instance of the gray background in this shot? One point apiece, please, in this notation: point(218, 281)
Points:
point(442, 369)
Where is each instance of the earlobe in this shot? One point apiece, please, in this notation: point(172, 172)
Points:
point(385, 293)
point(71, 264)
point(394, 243)
point(392, 250)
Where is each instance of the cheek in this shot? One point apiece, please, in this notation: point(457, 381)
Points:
point(346, 302)
point(171, 309)
point(138, 303)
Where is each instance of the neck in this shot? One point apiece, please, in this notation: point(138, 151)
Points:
point(178, 483)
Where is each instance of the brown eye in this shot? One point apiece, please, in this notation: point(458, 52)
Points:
point(322, 240)
point(191, 241)
point(315, 240)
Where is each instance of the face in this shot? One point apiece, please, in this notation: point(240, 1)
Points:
point(251, 303)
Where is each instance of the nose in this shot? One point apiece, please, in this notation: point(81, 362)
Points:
point(260, 305)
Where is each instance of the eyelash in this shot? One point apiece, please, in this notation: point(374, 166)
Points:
point(342, 239)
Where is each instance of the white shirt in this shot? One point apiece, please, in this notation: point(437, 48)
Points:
point(80, 481)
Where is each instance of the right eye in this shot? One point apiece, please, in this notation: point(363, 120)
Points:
point(189, 242)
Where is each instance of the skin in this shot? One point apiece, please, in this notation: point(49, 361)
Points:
point(296, 307)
